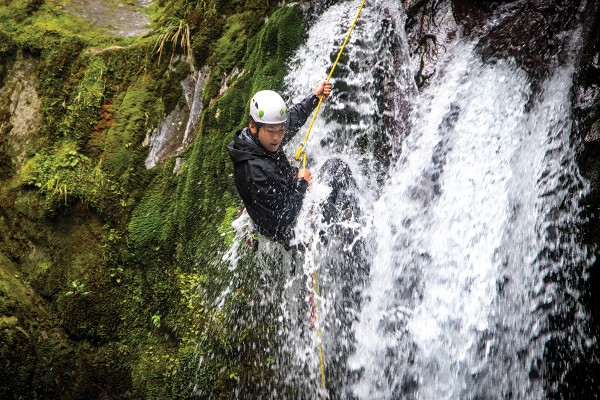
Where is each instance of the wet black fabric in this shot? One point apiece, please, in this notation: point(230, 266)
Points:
point(341, 202)
point(266, 181)
point(336, 174)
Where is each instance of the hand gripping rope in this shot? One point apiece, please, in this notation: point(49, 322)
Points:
point(301, 152)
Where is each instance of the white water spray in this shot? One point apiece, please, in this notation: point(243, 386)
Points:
point(455, 248)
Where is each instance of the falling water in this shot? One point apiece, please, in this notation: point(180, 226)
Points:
point(445, 285)
point(458, 284)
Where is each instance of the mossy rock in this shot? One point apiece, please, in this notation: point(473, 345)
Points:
point(17, 353)
point(152, 229)
point(92, 315)
point(8, 51)
point(28, 341)
point(105, 242)
point(152, 374)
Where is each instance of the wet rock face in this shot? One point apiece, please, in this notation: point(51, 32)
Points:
point(530, 33)
point(472, 13)
point(179, 128)
point(20, 111)
point(586, 113)
point(586, 93)
point(127, 19)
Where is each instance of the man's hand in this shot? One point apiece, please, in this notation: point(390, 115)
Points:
point(322, 89)
point(304, 173)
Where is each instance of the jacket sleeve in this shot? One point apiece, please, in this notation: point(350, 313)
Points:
point(277, 199)
point(298, 115)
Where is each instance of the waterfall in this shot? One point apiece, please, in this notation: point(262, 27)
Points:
point(449, 282)
point(458, 281)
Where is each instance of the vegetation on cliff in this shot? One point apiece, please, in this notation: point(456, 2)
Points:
point(102, 259)
point(108, 270)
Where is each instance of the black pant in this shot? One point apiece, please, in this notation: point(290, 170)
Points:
point(338, 176)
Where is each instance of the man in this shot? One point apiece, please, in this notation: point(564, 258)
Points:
point(272, 190)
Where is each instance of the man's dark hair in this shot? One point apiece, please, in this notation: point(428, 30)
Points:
point(258, 124)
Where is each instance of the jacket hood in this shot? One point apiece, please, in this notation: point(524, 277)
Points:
point(244, 147)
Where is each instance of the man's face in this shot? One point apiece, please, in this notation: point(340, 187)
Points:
point(270, 136)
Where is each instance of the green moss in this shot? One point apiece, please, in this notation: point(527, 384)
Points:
point(18, 354)
point(126, 62)
point(272, 47)
point(152, 375)
point(230, 47)
point(6, 153)
point(151, 225)
point(82, 112)
point(16, 348)
point(7, 53)
point(131, 124)
point(25, 337)
point(39, 16)
point(104, 371)
point(231, 213)
point(12, 291)
point(169, 89)
point(13, 12)
point(203, 42)
point(86, 314)
point(110, 245)
point(86, 296)
point(64, 175)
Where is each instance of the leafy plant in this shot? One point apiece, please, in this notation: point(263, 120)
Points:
point(176, 31)
point(64, 173)
point(156, 320)
point(77, 288)
point(116, 275)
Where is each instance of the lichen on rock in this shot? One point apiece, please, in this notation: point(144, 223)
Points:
point(127, 19)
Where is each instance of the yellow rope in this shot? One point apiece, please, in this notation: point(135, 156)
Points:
point(302, 149)
point(302, 152)
point(319, 335)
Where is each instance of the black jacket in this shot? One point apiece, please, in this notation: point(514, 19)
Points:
point(266, 181)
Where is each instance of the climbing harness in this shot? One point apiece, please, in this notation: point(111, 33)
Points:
point(301, 152)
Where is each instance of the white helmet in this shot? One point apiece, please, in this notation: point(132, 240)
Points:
point(268, 107)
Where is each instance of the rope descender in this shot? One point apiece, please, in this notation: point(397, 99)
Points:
point(301, 152)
